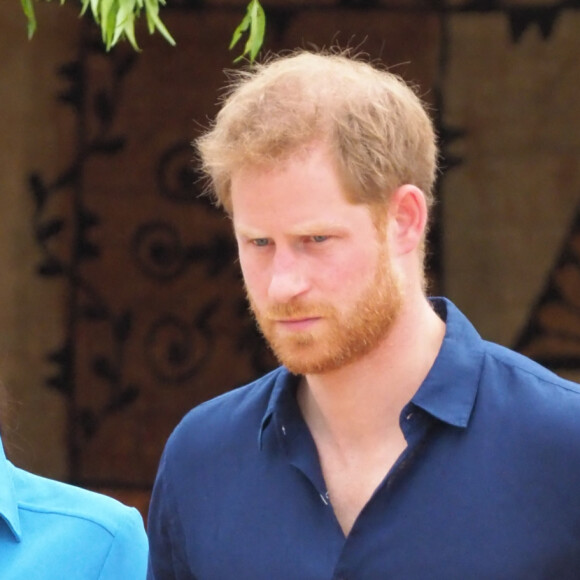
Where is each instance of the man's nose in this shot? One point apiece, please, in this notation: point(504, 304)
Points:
point(288, 278)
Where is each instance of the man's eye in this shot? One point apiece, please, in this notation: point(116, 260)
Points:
point(319, 239)
point(260, 242)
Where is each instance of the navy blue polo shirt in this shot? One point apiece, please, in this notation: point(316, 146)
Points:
point(488, 487)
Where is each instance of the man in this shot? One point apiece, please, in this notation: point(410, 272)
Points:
point(393, 442)
point(53, 531)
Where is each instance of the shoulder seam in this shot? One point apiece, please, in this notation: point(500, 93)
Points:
point(558, 381)
point(112, 530)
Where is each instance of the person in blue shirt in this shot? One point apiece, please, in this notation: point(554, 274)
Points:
point(393, 441)
point(54, 531)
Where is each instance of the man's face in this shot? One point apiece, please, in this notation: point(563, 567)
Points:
point(317, 271)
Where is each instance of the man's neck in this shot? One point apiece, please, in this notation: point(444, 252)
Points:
point(353, 412)
point(356, 404)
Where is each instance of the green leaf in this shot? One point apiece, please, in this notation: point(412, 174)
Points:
point(115, 18)
point(95, 9)
point(242, 27)
point(255, 20)
point(125, 23)
point(85, 6)
point(105, 9)
point(164, 32)
point(257, 30)
point(154, 22)
point(28, 8)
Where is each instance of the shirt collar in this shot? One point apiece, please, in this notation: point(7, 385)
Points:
point(279, 402)
point(449, 390)
point(447, 393)
point(8, 502)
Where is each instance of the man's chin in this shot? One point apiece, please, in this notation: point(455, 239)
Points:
point(312, 367)
point(305, 361)
point(299, 358)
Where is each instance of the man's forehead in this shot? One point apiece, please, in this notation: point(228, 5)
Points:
point(283, 159)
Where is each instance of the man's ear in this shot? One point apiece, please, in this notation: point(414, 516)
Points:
point(408, 219)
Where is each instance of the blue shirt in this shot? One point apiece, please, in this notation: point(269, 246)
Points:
point(488, 487)
point(51, 530)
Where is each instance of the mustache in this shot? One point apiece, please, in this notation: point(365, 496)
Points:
point(293, 309)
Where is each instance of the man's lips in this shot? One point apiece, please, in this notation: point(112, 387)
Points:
point(296, 324)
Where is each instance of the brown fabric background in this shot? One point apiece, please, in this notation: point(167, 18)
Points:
point(129, 305)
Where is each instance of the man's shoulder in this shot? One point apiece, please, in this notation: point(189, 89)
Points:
point(42, 497)
point(231, 414)
point(239, 402)
point(531, 393)
point(528, 371)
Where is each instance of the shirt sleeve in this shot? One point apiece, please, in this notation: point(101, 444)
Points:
point(167, 560)
point(127, 557)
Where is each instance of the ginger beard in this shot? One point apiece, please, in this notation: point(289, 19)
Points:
point(342, 336)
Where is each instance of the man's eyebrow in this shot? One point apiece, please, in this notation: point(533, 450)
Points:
point(315, 227)
point(303, 229)
point(246, 230)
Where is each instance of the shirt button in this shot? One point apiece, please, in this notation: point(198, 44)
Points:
point(409, 416)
